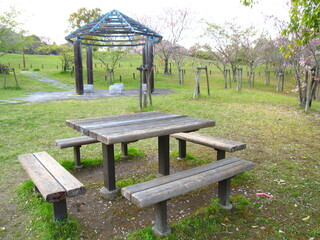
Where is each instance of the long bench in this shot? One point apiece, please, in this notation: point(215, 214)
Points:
point(77, 142)
point(157, 191)
point(53, 181)
point(219, 144)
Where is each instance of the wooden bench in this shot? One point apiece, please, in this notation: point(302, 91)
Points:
point(77, 142)
point(219, 144)
point(53, 181)
point(159, 190)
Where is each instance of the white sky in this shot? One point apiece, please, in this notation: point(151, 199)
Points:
point(50, 18)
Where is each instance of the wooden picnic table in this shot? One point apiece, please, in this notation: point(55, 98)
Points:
point(133, 127)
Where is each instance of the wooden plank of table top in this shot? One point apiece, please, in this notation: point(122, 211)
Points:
point(72, 186)
point(148, 130)
point(121, 123)
point(50, 189)
point(127, 191)
point(138, 126)
point(76, 122)
point(185, 185)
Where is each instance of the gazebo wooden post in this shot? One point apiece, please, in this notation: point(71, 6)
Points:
point(78, 67)
point(148, 59)
point(89, 65)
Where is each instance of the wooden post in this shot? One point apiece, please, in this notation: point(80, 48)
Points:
point(78, 67)
point(148, 58)
point(89, 65)
point(140, 87)
point(208, 86)
point(4, 73)
point(15, 77)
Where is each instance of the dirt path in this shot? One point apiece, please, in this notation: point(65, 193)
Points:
point(71, 93)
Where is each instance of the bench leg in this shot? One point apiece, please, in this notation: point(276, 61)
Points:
point(124, 149)
point(223, 186)
point(77, 157)
point(221, 154)
point(161, 226)
point(224, 193)
point(182, 149)
point(60, 210)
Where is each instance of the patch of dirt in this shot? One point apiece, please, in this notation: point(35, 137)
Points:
point(105, 219)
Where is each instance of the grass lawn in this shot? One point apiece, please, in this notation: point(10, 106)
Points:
point(282, 140)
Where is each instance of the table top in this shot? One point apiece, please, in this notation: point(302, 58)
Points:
point(133, 127)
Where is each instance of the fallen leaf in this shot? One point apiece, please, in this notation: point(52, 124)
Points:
point(306, 218)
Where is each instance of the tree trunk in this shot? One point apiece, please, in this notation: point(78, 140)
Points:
point(197, 88)
point(239, 86)
point(234, 73)
point(166, 66)
point(23, 58)
point(225, 76)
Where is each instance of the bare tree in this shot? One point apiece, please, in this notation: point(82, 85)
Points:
point(179, 57)
point(109, 59)
point(174, 23)
point(226, 43)
point(253, 49)
point(220, 61)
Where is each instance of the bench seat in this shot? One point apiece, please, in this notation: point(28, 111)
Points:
point(159, 190)
point(77, 142)
point(219, 144)
point(52, 180)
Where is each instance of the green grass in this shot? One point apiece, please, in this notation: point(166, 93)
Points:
point(133, 153)
point(41, 217)
point(282, 140)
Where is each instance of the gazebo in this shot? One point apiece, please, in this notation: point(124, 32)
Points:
point(113, 29)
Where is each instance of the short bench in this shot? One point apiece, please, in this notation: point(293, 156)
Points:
point(77, 142)
point(159, 190)
point(219, 144)
point(52, 180)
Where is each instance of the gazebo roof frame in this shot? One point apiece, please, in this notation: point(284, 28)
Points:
point(114, 29)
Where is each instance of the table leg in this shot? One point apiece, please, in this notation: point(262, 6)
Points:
point(164, 155)
point(109, 190)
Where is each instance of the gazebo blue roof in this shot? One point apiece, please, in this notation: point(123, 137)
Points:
point(114, 29)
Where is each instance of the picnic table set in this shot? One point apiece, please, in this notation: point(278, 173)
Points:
point(56, 184)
